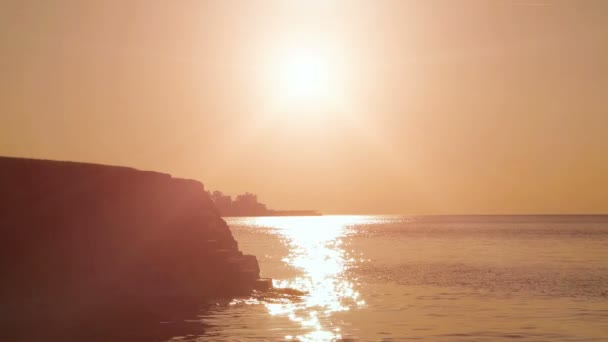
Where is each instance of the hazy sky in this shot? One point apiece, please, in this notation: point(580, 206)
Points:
point(426, 106)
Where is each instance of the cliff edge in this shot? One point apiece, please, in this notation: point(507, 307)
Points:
point(79, 239)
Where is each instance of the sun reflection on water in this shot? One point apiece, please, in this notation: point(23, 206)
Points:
point(316, 249)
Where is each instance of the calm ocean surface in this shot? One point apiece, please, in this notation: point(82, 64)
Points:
point(390, 278)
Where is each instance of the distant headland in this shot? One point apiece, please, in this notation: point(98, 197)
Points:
point(247, 205)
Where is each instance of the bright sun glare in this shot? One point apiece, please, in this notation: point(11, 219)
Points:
point(306, 77)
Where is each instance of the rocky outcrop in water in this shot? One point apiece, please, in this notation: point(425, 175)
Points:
point(81, 239)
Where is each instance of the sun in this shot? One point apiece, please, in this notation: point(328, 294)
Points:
point(306, 77)
point(302, 80)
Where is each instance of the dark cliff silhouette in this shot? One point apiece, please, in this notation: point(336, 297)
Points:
point(247, 205)
point(83, 242)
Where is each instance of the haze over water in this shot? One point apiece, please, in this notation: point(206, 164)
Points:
point(394, 278)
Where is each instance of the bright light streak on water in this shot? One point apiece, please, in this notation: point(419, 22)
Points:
point(318, 251)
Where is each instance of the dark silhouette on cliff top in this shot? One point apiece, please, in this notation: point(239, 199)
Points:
point(247, 205)
point(89, 245)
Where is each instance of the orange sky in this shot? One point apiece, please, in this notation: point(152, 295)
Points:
point(438, 106)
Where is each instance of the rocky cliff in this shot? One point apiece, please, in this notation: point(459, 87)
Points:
point(79, 239)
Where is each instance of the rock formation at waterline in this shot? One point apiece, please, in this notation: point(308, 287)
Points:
point(79, 239)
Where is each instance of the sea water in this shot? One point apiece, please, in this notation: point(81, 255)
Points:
point(397, 278)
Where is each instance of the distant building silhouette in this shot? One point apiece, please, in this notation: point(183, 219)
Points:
point(247, 205)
